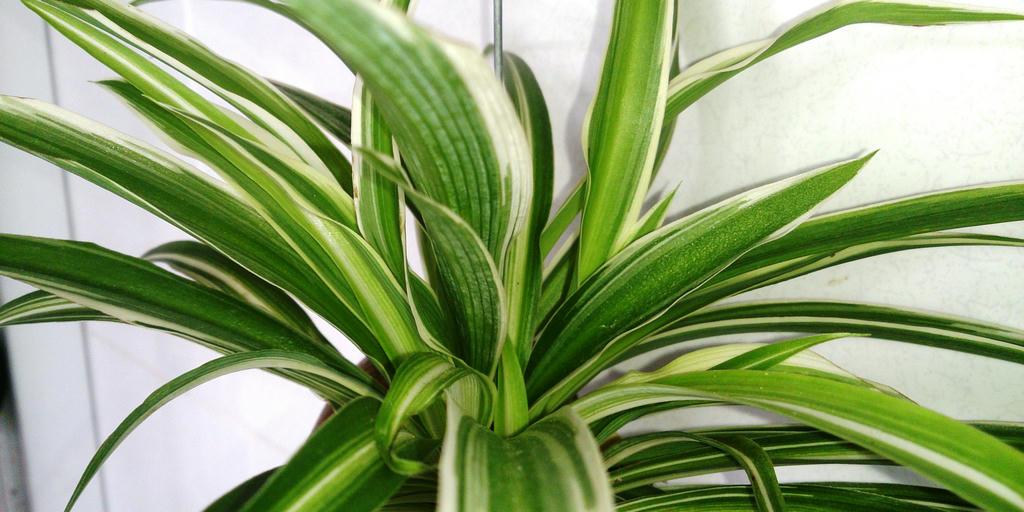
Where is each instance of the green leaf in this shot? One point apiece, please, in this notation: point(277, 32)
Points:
point(892, 220)
point(757, 277)
point(654, 272)
point(235, 499)
point(420, 381)
point(654, 217)
point(702, 77)
point(353, 271)
point(561, 219)
point(631, 93)
point(964, 459)
point(138, 292)
point(206, 266)
point(525, 260)
point(660, 456)
point(767, 356)
point(41, 307)
point(205, 373)
point(380, 204)
point(251, 94)
point(803, 497)
point(759, 468)
point(309, 186)
point(555, 464)
point(338, 469)
point(471, 282)
point(456, 128)
point(179, 194)
point(334, 118)
point(897, 324)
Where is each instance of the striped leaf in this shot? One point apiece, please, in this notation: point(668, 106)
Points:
point(471, 281)
point(179, 194)
point(703, 76)
point(315, 190)
point(799, 497)
point(41, 307)
point(525, 265)
point(334, 118)
point(645, 459)
point(344, 261)
point(552, 465)
point(205, 373)
point(420, 381)
point(631, 93)
point(657, 270)
point(206, 266)
point(380, 204)
point(236, 498)
point(138, 292)
point(897, 324)
point(964, 459)
point(337, 469)
point(273, 111)
point(455, 127)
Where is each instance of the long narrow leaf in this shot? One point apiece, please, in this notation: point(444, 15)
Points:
point(897, 324)
point(965, 460)
point(654, 272)
point(702, 77)
point(631, 93)
point(205, 373)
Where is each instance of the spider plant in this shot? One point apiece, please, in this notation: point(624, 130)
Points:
point(482, 363)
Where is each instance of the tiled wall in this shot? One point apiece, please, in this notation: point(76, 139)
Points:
point(943, 104)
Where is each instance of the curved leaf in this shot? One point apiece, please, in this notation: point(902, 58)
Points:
point(40, 307)
point(205, 373)
point(965, 460)
point(179, 194)
point(419, 382)
point(552, 465)
point(700, 78)
point(897, 324)
point(338, 469)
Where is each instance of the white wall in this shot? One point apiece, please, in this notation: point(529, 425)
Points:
point(943, 104)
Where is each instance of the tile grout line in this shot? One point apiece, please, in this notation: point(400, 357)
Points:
point(69, 219)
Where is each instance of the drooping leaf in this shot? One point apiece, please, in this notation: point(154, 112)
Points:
point(799, 497)
point(659, 456)
point(179, 194)
point(961, 458)
point(251, 94)
point(897, 324)
point(41, 307)
point(205, 373)
point(700, 78)
point(206, 266)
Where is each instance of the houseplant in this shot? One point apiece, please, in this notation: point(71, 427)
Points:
point(484, 357)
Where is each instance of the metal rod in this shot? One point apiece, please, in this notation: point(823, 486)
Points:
point(497, 39)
